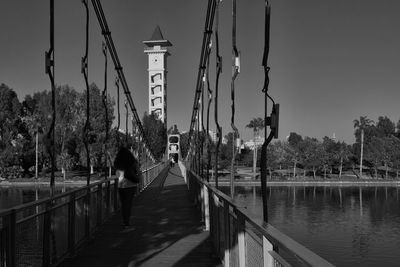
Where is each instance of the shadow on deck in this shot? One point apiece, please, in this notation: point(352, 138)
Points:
point(166, 231)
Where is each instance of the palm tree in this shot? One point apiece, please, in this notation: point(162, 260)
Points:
point(256, 124)
point(361, 125)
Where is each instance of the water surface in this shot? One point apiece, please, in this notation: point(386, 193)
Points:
point(348, 226)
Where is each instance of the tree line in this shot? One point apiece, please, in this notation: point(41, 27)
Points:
point(300, 156)
point(24, 125)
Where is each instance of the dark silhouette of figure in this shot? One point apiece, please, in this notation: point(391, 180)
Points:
point(129, 175)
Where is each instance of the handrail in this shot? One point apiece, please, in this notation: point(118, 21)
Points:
point(54, 227)
point(275, 239)
point(62, 195)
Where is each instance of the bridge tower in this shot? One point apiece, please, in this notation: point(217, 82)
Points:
point(157, 52)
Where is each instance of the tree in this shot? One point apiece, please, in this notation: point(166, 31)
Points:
point(256, 124)
point(390, 152)
point(10, 109)
point(328, 155)
point(360, 126)
point(374, 153)
point(342, 153)
point(395, 155)
point(156, 133)
point(273, 157)
point(293, 149)
point(312, 154)
point(11, 141)
point(385, 127)
point(184, 144)
point(294, 139)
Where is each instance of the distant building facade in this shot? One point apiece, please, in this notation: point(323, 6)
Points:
point(250, 144)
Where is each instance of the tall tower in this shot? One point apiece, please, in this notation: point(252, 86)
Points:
point(157, 52)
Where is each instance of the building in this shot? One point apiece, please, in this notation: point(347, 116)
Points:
point(157, 53)
point(250, 144)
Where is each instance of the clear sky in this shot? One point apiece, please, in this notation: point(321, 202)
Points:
point(331, 61)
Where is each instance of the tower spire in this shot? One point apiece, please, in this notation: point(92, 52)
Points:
point(157, 52)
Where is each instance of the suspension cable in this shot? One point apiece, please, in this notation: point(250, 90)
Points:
point(267, 139)
point(104, 98)
point(203, 59)
point(218, 70)
point(85, 74)
point(49, 61)
point(235, 73)
point(114, 56)
point(119, 112)
point(126, 123)
point(209, 97)
point(202, 136)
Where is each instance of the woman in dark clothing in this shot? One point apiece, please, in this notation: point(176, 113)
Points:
point(129, 175)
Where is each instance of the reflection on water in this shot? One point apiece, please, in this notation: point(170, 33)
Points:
point(348, 226)
point(16, 195)
point(30, 233)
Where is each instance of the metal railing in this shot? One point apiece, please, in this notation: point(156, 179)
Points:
point(238, 239)
point(44, 232)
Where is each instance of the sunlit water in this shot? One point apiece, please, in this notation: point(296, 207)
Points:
point(348, 226)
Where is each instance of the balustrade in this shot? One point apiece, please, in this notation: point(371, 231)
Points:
point(240, 240)
point(44, 232)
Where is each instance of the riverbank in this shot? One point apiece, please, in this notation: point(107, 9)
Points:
point(77, 181)
point(310, 183)
point(223, 181)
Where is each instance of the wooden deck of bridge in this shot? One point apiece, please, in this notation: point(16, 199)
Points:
point(166, 231)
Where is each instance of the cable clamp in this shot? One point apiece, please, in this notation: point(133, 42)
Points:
point(48, 62)
point(84, 65)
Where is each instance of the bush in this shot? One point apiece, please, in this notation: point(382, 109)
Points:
point(11, 172)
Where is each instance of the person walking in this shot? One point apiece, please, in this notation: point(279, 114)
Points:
point(129, 175)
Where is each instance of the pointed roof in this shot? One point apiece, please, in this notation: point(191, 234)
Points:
point(157, 39)
point(157, 35)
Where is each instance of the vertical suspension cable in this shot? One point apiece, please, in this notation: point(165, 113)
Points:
point(85, 74)
point(104, 98)
point(202, 128)
point(218, 70)
point(126, 123)
point(265, 91)
point(198, 142)
point(209, 97)
point(235, 73)
point(202, 66)
point(119, 111)
point(49, 61)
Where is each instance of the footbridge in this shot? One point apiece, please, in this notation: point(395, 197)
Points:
point(180, 216)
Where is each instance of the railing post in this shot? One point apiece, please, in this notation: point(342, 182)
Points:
point(87, 213)
point(201, 188)
point(241, 240)
point(46, 235)
point(11, 250)
point(71, 225)
point(206, 209)
point(99, 203)
point(227, 254)
point(115, 194)
point(108, 204)
point(267, 247)
point(216, 222)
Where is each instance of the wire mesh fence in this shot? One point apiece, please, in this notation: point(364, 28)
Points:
point(239, 240)
point(44, 232)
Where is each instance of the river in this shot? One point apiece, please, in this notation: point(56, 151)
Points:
point(348, 226)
